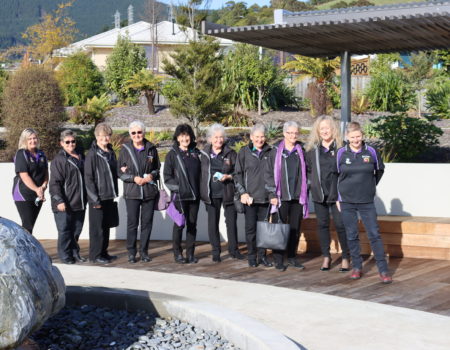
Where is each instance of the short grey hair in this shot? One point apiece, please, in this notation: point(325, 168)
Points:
point(67, 133)
point(290, 124)
point(137, 123)
point(215, 128)
point(258, 127)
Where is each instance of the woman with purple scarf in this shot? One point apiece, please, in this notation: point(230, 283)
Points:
point(286, 184)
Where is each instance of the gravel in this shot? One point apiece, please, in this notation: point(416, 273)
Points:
point(93, 328)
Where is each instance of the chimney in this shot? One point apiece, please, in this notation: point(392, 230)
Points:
point(130, 15)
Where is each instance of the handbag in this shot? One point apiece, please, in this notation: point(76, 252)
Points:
point(272, 235)
point(238, 204)
point(163, 201)
point(177, 217)
point(112, 216)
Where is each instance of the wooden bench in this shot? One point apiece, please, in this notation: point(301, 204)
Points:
point(403, 236)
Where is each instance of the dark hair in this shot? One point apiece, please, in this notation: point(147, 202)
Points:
point(183, 129)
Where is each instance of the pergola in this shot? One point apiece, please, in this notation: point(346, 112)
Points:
point(343, 32)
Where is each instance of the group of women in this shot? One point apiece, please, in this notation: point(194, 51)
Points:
point(264, 179)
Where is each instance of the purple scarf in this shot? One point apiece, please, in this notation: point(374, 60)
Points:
point(303, 200)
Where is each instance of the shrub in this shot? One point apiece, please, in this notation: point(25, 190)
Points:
point(360, 103)
point(80, 79)
point(403, 138)
point(32, 98)
point(389, 91)
point(438, 97)
point(93, 111)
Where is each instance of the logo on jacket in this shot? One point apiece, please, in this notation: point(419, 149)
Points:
point(226, 161)
point(347, 161)
point(149, 159)
point(366, 159)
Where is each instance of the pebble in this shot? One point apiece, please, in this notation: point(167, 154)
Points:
point(92, 328)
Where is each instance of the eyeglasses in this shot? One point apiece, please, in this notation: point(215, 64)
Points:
point(292, 133)
point(70, 141)
point(136, 132)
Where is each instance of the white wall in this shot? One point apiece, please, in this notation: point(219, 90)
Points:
point(405, 189)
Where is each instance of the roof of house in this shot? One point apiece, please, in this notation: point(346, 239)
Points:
point(139, 33)
point(359, 30)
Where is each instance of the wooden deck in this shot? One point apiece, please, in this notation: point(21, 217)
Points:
point(421, 284)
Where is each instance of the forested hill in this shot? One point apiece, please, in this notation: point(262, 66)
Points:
point(91, 16)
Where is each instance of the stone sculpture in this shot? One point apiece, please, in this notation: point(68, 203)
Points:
point(31, 289)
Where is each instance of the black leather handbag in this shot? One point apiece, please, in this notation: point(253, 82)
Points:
point(272, 235)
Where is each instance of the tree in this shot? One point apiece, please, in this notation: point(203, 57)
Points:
point(194, 92)
point(291, 5)
point(125, 60)
point(322, 70)
point(148, 84)
point(153, 13)
point(56, 30)
point(80, 79)
point(191, 13)
point(33, 99)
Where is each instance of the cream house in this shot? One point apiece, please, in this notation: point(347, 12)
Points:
point(168, 36)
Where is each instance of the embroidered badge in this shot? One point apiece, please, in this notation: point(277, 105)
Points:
point(366, 159)
point(149, 159)
point(332, 153)
point(347, 161)
point(226, 161)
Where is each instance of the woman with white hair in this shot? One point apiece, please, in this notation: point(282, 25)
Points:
point(286, 183)
point(321, 149)
point(249, 182)
point(139, 170)
point(31, 178)
point(217, 190)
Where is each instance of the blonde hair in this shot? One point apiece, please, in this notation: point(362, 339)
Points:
point(103, 128)
point(24, 137)
point(314, 137)
point(353, 126)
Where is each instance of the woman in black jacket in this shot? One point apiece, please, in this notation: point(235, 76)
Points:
point(217, 190)
point(68, 196)
point(249, 182)
point(287, 186)
point(100, 173)
point(139, 171)
point(324, 141)
point(182, 177)
point(31, 178)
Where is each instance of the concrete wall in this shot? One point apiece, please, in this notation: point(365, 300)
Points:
point(405, 189)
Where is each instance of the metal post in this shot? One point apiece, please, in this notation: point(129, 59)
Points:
point(346, 90)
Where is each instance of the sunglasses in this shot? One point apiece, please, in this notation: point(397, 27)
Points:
point(136, 132)
point(69, 142)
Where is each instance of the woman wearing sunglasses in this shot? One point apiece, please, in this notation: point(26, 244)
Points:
point(31, 178)
point(139, 170)
point(68, 197)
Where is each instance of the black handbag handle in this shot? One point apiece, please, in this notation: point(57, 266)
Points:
point(268, 214)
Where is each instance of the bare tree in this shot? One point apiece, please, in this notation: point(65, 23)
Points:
point(153, 14)
point(191, 12)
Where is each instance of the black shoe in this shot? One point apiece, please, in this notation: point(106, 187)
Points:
point(294, 262)
point(216, 259)
point(102, 260)
point(110, 257)
point(79, 258)
point(264, 261)
point(131, 259)
point(191, 260)
point(237, 255)
point(252, 263)
point(68, 261)
point(145, 258)
point(179, 259)
point(281, 267)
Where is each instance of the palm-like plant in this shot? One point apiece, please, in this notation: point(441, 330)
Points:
point(148, 84)
point(322, 70)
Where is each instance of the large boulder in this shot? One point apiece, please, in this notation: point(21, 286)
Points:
point(31, 289)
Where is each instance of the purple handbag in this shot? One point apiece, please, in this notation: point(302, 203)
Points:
point(177, 217)
point(163, 199)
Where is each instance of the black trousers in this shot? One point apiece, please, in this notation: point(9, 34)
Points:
point(190, 210)
point(213, 211)
point(28, 212)
point(253, 214)
point(99, 229)
point(144, 209)
point(69, 225)
point(323, 228)
point(291, 212)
